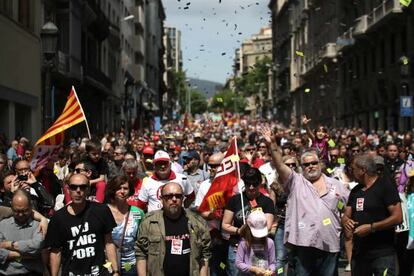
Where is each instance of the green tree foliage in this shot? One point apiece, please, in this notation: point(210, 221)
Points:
point(249, 84)
point(198, 102)
point(227, 100)
point(179, 88)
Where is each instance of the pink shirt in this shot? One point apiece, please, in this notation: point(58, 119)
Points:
point(313, 220)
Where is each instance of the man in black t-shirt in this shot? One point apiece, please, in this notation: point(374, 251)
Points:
point(372, 211)
point(80, 234)
point(173, 241)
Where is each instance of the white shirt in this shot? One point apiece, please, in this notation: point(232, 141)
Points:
point(151, 189)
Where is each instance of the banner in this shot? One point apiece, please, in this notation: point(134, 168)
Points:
point(224, 184)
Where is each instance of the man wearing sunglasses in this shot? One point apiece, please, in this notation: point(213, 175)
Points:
point(173, 241)
point(80, 234)
point(313, 214)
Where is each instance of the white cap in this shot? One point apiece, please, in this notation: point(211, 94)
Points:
point(161, 156)
point(258, 224)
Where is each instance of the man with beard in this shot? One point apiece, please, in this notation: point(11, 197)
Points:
point(313, 214)
point(173, 241)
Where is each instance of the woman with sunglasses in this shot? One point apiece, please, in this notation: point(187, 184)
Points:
point(233, 218)
point(127, 219)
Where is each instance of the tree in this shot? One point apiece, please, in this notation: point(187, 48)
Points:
point(198, 102)
point(179, 89)
point(227, 100)
point(250, 83)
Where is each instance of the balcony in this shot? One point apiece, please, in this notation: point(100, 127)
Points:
point(382, 11)
point(328, 51)
point(96, 76)
point(345, 40)
point(113, 37)
point(361, 25)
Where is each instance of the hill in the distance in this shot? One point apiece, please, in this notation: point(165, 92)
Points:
point(208, 88)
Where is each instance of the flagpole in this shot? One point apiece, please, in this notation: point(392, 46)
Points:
point(238, 179)
point(80, 105)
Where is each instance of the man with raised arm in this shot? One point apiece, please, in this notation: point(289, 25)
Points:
point(313, 222)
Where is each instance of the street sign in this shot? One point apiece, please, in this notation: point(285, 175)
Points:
point(157, 123)
point(406, 106)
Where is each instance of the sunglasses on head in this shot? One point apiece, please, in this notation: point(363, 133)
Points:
point(213, 166)
point(75, 187)
point(314, 163)
point(171, 196)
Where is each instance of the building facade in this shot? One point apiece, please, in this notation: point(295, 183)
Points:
point(346, 59)
point(20, 89)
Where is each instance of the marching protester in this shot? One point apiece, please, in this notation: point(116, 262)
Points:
point(128, 219)
point(372, 211)
point(239, 207)
point(173, 241)
point(313, 210)
point(256, 252)
point(79, 235)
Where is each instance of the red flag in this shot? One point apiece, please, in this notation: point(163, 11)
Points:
point(224, 184)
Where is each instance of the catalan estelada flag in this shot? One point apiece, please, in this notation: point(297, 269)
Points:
point(72, 115)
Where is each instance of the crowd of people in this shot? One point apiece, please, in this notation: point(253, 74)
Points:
point(128, 203)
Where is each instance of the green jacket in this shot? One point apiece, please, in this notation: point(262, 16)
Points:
point(150, 245)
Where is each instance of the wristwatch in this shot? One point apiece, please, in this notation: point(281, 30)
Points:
point(372, 228)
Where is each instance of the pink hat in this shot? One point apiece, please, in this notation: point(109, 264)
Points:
point(161, 156)
point(258, 224)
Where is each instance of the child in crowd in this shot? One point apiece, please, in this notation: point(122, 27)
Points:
point(99, 171)
point(256, 252)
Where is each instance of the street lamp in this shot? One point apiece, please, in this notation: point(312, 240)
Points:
point(49, 35)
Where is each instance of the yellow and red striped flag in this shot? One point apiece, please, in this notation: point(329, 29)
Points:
point(72, 114)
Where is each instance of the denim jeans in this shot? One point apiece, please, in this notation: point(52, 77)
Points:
point(361, 265)
point(231, 262)
point(281, 250)
point(311, 261)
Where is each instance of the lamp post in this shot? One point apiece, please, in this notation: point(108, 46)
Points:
point(49, 35)
point(405, 89)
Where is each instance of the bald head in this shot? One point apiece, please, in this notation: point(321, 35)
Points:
point(21, 206)
point(21, 197)
point(216, 158)
point(171, 186)
point(78, 179)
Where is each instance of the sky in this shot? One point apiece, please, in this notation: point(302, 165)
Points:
point(211, 30)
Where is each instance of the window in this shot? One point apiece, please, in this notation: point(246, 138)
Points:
point(403, 35)
point(382, 54)
point(392, 48)
point(373, 60)
point(6, 7)
point(24, 13)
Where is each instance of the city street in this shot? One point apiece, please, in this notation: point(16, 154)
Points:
point(198, 137)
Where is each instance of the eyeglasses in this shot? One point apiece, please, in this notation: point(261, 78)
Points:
point(117, 153)
point(314, 163)
point(214, 166)
point(79, 170)
point(356, 150)
point(291, 165)
point(171, 196)
point(74, 187)
point(262, 147)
